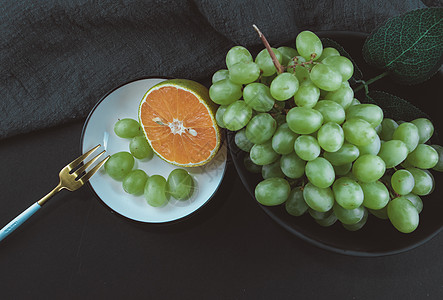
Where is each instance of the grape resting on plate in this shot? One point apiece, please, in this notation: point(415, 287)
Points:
point(156, 189)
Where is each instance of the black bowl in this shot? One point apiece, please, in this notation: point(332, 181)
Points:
point(378, 237)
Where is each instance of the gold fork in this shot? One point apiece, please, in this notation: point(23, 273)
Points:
point(72, 177)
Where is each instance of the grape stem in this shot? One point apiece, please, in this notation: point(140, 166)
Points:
point(277, 64)
point(303, 64)
point(365, 84)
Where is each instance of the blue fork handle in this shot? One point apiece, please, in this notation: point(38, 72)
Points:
point(19, 220)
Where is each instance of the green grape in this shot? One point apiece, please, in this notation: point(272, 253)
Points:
point(261, 128)
point(329, 51)
point(219, 115)
point(272, 191)
point(272, 170)
point(242, 141)
point(359, 132)
point(369, 112)
point(258, 97)
point(140, 148)
point(347, 192)
point(378, 129)
point(423, 157)
point(348, 216)
point(127, 128)
point(287, 54)
point(307, 147)
point(292, 165)
point(283, 139)
point(330, 137)
point(405, 164)
point(304, 120)
point(296, 205)
point(225, 92)
point(266, 80)
point(250, 166)
point(342, 64)
point(432, 180)
point(439, 165)
point(415, 200)
point(346, 154)
point(220, 75)
point(284, 86)
point(319, 199)
point(354, 101)
point(320, 172)
point(402, 182)
point(264, 61)
point(368, 168)
point(376, 195)
point(263, 154)
point(317, 215)
point(403, 215)
point(359, 225)
point(309, 45)
point(244, 72)
point(342, 170)
point(328, 221)
point(372, 148)
point(393, 152)
point(307, 95)
point(425, 129)
point(325, 77)
point(380, 213)
point(134, 182)
point(155, 191)
point(424, 182)
point(352, 176)
point(119, 165)
point(388, 127)
point(331, 111)
point(343, 96)
point(408, 133)
point(180, 184)
point(300, 71)
point(237, 115)
point(323, 93)
point(237, 54)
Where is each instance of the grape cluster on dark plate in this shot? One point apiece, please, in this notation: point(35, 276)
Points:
point(314, 156)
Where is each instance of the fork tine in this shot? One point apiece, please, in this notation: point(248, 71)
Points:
point(88, 175)
point(79, 159)
point(83, 168)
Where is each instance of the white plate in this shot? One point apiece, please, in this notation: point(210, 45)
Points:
point(123, 102)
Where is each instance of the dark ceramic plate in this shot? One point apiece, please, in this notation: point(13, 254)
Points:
point(378, 237)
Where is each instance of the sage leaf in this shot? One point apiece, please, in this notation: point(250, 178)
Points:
point(395, 107)
point(409, 46)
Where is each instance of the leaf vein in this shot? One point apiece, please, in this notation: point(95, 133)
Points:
point(410, 47)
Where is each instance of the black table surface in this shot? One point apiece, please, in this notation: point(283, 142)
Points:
point(76, 248)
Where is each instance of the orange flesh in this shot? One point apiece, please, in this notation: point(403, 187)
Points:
point(170, 104)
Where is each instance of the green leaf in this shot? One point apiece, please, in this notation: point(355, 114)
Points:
point(395, 107)
point(409, 46)
point(327, 42)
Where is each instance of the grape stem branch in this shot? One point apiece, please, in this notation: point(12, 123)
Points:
point(365, 84)
point(277, 64)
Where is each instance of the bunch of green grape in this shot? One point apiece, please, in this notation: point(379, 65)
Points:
point(156, 189)
point(318, 149)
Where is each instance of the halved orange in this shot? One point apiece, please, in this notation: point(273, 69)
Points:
point(178, 120)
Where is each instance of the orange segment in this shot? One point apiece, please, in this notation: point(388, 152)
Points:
point(178, 121)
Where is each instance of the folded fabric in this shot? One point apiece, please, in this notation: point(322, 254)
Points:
point(58, 58)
